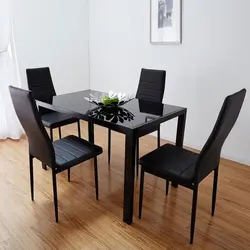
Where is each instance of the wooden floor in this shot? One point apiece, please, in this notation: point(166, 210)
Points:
point(85, 223)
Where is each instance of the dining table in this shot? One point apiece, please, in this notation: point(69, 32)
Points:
point(133, 119)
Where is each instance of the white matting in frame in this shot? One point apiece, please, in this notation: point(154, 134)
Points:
point(166, 21)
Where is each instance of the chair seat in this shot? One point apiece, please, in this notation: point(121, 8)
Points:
point(171, 163)
point(72, 150)
point(57, 119)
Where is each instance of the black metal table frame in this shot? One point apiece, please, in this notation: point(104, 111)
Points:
point(131, 138)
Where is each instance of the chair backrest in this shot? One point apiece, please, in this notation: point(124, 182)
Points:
point(40, 83)
point(153, 108)
point(209, 157)
point(151, 85)
point(40, 145)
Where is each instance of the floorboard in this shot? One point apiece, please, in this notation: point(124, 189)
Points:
point(85, 223)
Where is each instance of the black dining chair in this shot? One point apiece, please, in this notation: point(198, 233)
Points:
point(187, 168)
point(59, 155)
point(151, 88)
point(41, 84)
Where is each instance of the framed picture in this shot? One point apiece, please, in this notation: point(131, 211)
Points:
point(166, 21)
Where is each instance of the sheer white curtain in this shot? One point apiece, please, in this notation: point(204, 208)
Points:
point(9, 124)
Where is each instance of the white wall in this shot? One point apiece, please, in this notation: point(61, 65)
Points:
point(53, 33)
point(212, 62)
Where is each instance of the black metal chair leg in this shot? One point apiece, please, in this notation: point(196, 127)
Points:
point(60, 132)
point(193, 217)
point(159, 137)
point(55, 194)
point(141, 192)
point(214, 189)
point(137, 157)
point(96, 178)
point(44, 166)
point(31, 177)
point(109, 145)
point(79, 128)
point(51, 134)
point(51, 137)
point(68, 174)
point(175, 185)
point(167, 186)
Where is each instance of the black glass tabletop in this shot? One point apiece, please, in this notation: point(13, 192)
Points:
point(132, 114)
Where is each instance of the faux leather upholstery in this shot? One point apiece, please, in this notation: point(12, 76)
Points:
point(150, 93)
point(40, 83)
point(210, 154)
point(56, 119)
point(151, 85)
point(72, 150)
point(40, 145)
point(171, 162)
point(187, 168)
point(151, 89)
point(63, 153)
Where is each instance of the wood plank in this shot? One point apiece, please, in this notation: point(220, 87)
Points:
point(85, 223)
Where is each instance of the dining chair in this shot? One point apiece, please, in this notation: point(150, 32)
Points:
point(40, 83)
point(187, 168)
point(59, 155)
point(151, 88)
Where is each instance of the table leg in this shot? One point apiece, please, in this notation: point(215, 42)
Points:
point(129, 175)
point(180, 134)
point(91, 131)
point(180, 130)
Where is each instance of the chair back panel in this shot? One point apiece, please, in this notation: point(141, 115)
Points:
point(40, 83)
point(40, 145)
point(210, 155)
point(152, 85)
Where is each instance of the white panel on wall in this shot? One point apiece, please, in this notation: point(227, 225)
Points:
point(212, 62)
point(55, 34)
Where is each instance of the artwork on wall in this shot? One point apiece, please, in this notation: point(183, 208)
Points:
point(166, 21)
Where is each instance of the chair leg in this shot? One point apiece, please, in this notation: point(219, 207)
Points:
point(55, 194)
point(60, 132)
point(109, 145)
point(44, 166)
point(158, 137)
point(51, 137)
point(193, 217)
point(141, 192)
point(96, 177)
point(31, 177)
point(215, 189)
point(68, 174)
point(167, 186)
point(137, 157)
point(79, 128)
point(51, 134)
